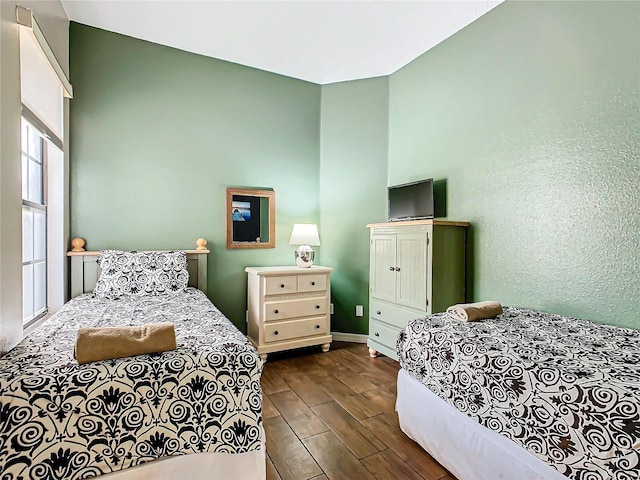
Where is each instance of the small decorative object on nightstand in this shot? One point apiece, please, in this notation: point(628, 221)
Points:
point(304, 235)
point(288, 307)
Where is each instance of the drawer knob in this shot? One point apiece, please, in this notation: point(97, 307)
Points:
point(276, 311)
point(282, 285)
point(378, 312)
point(313, 283)
point(391, 268)
point(317, 306)
point(376, 334)
point(317, 326)
point(397, 269)
point(275, 332)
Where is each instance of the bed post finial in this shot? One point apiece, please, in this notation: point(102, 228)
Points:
point(201, 243)
point(78, 244)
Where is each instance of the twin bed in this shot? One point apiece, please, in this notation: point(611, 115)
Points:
point(526, 395)
point(193, 412)
point(523, 396)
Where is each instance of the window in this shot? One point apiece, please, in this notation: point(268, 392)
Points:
point(43, 86)
point(34, 224)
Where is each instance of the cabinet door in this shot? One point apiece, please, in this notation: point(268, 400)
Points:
point(411, 270)
point(383, 260)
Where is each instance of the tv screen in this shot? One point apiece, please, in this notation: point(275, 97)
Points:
point(411, 201)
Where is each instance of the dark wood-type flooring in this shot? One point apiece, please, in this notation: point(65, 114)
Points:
point(332, 416)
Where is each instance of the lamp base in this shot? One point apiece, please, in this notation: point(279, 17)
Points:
point(304, 256)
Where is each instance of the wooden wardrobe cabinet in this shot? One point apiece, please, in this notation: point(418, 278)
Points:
point(416, 268)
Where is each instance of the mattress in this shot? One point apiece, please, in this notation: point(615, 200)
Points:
point(565, 389)
point(465, 448)
point(65, 421)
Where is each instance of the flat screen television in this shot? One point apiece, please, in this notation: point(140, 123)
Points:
point(411, 201)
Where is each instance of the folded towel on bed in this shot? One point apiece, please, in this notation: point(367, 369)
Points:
point(468, 312)
point(93, 344)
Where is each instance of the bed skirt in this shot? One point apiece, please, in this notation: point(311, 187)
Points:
point(227, 466)
point(463, 446)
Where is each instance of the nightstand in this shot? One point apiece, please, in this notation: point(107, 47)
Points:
point(288, 307)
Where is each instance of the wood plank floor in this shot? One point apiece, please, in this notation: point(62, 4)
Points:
point(332, 416)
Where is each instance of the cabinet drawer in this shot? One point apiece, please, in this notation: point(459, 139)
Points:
point(275, 332)
point(383, 333)
point(312, 283)
point(276, 285)
point(391, 314)
point(295, 308)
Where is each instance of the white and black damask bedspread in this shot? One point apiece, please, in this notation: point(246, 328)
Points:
point(567, 390)
point(61, 420)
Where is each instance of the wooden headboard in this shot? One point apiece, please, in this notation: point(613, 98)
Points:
point(85, 271)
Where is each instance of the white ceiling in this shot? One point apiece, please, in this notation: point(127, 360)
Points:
point(318, 41)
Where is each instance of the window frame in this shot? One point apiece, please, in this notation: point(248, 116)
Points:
point(34, 125)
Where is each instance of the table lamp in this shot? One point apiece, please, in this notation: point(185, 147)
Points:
point(304, 235)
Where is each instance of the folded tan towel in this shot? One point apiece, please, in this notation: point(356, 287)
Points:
point(93, 344)
point(468, 312)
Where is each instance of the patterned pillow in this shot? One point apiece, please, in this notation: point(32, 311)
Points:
point(140, 273)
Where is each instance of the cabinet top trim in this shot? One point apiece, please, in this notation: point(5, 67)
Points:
point(287, 270)
point(430, 221)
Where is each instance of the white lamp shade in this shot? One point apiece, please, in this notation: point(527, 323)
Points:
point(304, 234)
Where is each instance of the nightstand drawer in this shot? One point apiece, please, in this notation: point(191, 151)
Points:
point(312, 283)
point(275, 332)
point(276, 285)
point(295, 308)
point(384, 334)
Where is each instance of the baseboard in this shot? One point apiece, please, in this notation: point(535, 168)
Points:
point(350, 337)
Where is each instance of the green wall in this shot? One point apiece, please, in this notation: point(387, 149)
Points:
point(532, 115)
point(353, 180)
point(157, 136)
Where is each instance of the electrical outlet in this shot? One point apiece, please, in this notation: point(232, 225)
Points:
point(359, 311)
point(331, 308)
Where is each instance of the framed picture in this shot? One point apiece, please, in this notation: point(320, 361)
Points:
point(240, 211)
point(251, 218)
